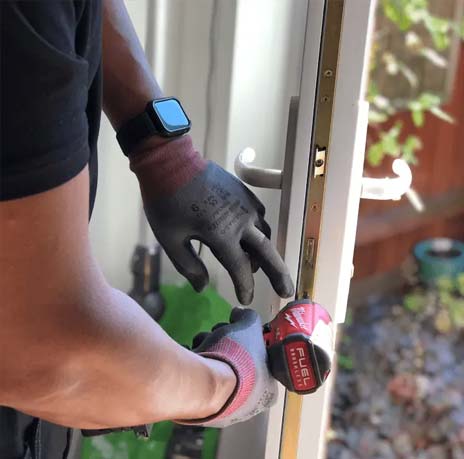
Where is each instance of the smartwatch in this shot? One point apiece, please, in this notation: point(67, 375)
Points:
point(162, 117)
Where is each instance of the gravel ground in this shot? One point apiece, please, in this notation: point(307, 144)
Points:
point(399, 392)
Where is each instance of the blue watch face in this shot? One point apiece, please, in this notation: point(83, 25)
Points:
point(171, 115)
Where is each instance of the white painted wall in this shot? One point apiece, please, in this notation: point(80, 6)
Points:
point(114, 224)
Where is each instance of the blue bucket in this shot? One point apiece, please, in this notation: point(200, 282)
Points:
point(439, 257)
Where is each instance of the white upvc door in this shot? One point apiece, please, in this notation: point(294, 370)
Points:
point(334, 264)
point(296, 426)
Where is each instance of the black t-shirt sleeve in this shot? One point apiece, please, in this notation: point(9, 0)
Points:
point(44, 90)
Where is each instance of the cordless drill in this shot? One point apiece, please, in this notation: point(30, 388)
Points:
point(299, 346)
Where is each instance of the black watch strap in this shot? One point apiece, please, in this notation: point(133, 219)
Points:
point(134, 131)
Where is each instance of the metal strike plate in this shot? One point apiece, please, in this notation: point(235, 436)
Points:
point(319, 162)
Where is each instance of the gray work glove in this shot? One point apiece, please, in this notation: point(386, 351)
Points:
point(240, 344)
point(188, 198)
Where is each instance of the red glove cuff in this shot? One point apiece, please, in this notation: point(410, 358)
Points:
point(164, 169)
point(230, 352)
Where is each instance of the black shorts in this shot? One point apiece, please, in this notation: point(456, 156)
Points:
point(25, 437)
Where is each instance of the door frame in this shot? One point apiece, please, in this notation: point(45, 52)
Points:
point(341, 196)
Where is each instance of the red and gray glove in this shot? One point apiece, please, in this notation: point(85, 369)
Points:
point(240, 344)
point(186, 197)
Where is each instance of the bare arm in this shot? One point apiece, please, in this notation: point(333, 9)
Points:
point(129, 83)
point(74, 350)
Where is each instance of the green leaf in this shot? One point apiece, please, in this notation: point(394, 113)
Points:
point(394, 11)
point(428, 100)
point(377, 117)
point(418, 117)
point(389, 139)
point(456, 310)
point(441, 41)
point(416, 9)
point(391, 146)
point(445, 284)
point(409, 148)
point(413, 143)
point(414, 302)
point(372, 89)
point(446, 298)
point(375, 154)
point(395, 131)
point(417, 107)
point(439, 113)
point(410, 157)
point(460, 284)
point(438, 29)
point(414, 105)
point(345, 362)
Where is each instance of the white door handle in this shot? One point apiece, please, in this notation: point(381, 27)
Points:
point(389, 187)
point(253, 175)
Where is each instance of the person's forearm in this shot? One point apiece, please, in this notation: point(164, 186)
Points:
point(129, 83)
point(105, 363)
point(75, 351)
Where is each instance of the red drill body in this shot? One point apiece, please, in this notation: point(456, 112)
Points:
point(299, 345)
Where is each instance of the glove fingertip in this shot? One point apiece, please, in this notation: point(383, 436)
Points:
point(239, 314)
point(198, 283)
point(199, 338)
point(254, 265)
point(286, 288)
point(219, 325)
point(245, 298)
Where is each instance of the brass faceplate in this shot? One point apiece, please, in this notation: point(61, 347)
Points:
point(319, 151)
point(320, 142)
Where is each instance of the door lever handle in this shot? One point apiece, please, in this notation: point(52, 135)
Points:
point(389, 187)
point(253, 175)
